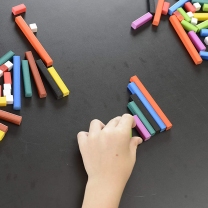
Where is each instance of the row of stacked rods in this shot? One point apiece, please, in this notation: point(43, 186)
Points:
point(149, 117)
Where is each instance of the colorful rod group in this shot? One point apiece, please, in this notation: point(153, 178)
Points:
point(186, 19)
point(11, 66)
point(149, 118)
point(37, 68)
point(9, 117)
point(40, 67)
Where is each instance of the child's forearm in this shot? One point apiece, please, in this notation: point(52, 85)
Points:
point(109, 155)
point(102, 194)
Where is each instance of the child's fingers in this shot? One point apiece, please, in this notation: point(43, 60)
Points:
point(96, 126)
point(127, 122)
point(82, 134)
point(82, 137)
point(113, 122)
point(134, 123)
point(135, 141)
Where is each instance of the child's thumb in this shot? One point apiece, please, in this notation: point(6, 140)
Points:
point(135, 141)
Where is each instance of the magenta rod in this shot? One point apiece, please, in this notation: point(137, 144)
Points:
point(141, 129)
point(196, 41)
point(142, 20)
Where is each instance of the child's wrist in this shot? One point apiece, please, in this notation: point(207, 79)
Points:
point(114, 183)
point(104, 192)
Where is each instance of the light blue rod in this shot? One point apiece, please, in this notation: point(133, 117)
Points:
point(135, 90)
point(175, 6)
point(16, 83)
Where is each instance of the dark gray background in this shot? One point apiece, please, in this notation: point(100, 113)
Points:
point(95, 52)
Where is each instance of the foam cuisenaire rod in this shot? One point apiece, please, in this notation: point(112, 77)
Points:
point(197, 6)
point(184, 14)
point(204, 32)
point(206, 40)
point(178, 15)
point(136, 111)
point(6, 92)
point(0, 90)
point(200, 1)
point(147, 95)
point(3, 68)
point(6, 57)
point(205, 8)
point(9, 99)
point(10, 117)
point(185, 40)
point(9, 65)
point(175, 6)
point(141, 20)
point(194, 21)
point(188, 26)
point(3, 101)
point(2, 134)
point(158, 12)
point(7, 78)
point(141, 129)
point(196, 41)
point(165, 8)
point(135, 90)
point(189, 7)
point(16, 83)
point(201, 16)
point(151, 6)
point(202, 25)
point(204, 55)
point(19, 9)
point(36, 75)
point(26, 78)
point(59, 81)
point(146, 113)
point(7, 87)
point(55, 88)
point(34, 41)
point(190, 14)
point(33, 27)
point(3, 128)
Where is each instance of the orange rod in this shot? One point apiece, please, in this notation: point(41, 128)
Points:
point(10, 117)
point(152, 102)
point(158, 12)
point(3, 128)
point(34, 41)
point(185, 39)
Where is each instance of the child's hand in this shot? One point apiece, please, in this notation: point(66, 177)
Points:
point(109, 155)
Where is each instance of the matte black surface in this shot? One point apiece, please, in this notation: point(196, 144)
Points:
point(95, 52)
point(44, 72)
point(145, 112)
